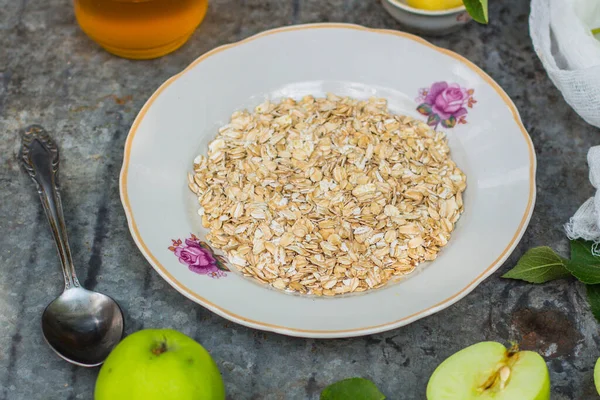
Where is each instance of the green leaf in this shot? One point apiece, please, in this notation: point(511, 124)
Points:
point(584, 265)
point(581, 252)
point(424, 109)
point(478, 10)
point(539, 265)
point(450, 122)
point(433, 120)
point(221, 263)
point(595, 31)
point(593, 295)
point(352, 389)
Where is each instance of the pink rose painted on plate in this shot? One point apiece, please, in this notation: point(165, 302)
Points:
point(199, 257)
point(445, 103)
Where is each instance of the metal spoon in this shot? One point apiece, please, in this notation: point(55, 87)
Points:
point(81, 326)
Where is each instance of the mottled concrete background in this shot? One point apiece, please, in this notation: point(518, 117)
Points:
point(50, 73)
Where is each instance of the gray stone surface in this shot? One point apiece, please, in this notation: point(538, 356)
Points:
point(51, 73)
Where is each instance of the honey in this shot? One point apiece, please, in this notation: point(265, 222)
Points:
point(140, 29)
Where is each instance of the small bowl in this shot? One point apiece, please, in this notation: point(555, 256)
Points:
point(426, 21)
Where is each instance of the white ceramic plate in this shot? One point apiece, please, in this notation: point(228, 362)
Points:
point(487, 140)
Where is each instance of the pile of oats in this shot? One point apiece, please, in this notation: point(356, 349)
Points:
point(327, 196)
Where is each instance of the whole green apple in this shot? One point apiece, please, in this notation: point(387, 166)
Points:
point(159, 364)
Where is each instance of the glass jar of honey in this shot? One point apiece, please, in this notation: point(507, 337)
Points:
point(140, 29)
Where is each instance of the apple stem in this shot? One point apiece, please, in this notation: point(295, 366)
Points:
point(514, 349)
point(162, 347)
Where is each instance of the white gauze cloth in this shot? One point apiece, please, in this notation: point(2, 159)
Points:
point(562, 38)
point(585, 224)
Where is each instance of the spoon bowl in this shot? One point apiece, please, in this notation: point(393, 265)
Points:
point(82, 326)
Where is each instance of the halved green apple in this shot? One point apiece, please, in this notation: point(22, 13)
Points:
point(488, 370)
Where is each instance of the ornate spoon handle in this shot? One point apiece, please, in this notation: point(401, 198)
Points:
point(39, 156)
